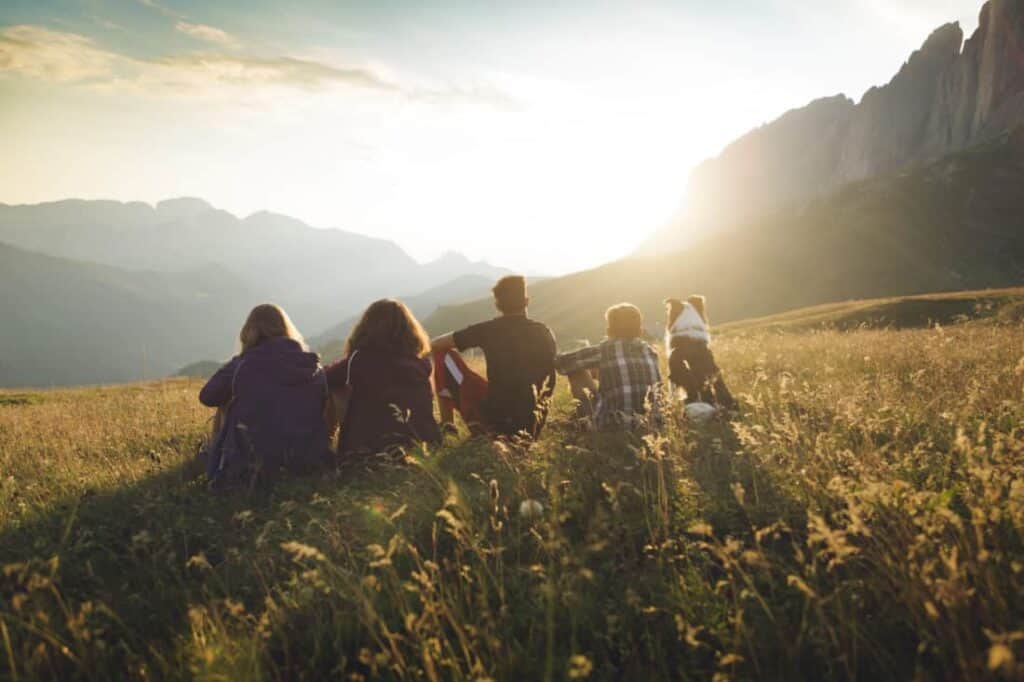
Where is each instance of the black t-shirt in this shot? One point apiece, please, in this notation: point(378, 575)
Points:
point(520, 356)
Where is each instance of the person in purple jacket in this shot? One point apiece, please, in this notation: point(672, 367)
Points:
point(386, 366)
point(272, 397)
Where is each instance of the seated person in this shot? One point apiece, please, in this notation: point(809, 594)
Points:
point(386, 369)
point(520, 356)
point(459, 389)
point(691, 363)
point(629, 376)
point(270, 400)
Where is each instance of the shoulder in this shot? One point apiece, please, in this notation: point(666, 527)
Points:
point(541, 329)
point(475, 334)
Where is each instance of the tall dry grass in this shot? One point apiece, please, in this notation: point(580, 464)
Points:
point(863, 518)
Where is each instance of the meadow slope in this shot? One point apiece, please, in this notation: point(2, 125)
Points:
point(862, 518)
point(953, 224)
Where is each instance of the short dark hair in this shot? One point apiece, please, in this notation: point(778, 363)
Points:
point(510, 294)
point(625, 321)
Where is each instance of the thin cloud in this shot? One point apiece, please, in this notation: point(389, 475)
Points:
point(209, 34)
point(162, 9)
point(39, 53)
point(287, 71)
point(55, 56)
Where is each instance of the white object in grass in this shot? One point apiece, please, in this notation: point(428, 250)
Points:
point(530, 509)
point(700, 412)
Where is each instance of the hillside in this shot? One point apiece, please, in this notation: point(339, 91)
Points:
point(1003, 306)
point(861, 518)
point(318, 275)
point(950, 95)
point(946, 225)
point(66, 322)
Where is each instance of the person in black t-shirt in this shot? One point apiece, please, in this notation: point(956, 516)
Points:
point(520, 355)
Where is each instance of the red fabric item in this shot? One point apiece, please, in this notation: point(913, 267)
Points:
point(459, 387)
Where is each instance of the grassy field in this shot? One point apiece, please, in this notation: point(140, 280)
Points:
point(862, 518)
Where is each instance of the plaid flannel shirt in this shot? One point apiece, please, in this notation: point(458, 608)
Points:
point(628, 376)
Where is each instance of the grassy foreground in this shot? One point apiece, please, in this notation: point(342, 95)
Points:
point(863, 518)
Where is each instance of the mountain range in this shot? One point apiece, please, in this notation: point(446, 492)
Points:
point(80, 279)
point(318, 275)
point(916, 188)
point(919, 187)
point(948, 96)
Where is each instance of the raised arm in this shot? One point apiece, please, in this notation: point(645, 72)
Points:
point(444, 343)
point(582, 360)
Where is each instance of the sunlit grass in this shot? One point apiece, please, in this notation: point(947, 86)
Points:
point(862, 519)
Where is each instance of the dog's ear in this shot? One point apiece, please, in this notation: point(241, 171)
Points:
point(673, 308)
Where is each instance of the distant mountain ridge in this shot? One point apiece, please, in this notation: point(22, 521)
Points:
point(948, 96)
point(318, 275)
point(105, 291)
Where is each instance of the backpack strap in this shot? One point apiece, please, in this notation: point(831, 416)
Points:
point(348, 368)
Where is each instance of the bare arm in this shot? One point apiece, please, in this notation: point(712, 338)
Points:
point(443, 344)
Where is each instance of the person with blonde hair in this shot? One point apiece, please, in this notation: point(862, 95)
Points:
point(627, 369)
point(271, 397)
point(386, 371)
point(691, 363)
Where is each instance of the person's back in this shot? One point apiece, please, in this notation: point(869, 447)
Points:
point(520, 356)
point(629, 376)
point(388, 370)
point(273, 396)
point(279, 394)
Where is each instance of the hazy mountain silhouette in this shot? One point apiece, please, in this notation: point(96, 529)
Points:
point(949, 95)
point(102, 291)
point(319, 275)
point(67, 322)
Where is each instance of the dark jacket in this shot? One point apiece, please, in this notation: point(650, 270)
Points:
point(392, 401)
point(274, 396)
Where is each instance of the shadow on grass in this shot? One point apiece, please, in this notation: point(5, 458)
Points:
point(162, 577)
point(102, 584)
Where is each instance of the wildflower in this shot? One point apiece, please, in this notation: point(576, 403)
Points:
point(300, 551)
point(198, 561)
point(1000, 656)
point(580, 667)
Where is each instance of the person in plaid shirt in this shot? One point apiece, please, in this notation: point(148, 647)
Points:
point(628, 372)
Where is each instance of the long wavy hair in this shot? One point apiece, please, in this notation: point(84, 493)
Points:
point(267, 321)
point(388, 325)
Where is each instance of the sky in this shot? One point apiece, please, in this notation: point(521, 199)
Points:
point(543, 136)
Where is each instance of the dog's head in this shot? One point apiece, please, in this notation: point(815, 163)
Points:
point(673, 309)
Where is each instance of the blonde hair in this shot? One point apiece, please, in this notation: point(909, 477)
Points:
point(699, 304)
point(267, 321)
point(625, 321)
point(390, 326)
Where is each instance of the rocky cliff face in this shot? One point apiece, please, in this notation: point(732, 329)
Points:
point(948, 96)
